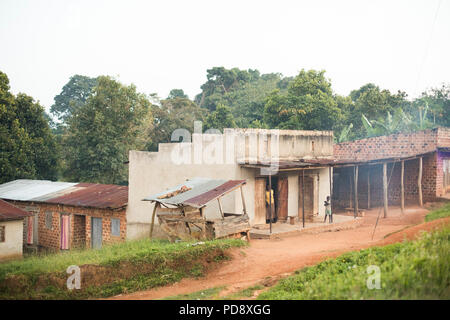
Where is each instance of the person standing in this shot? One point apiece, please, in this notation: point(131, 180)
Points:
point(327, 204)
point(270, 205)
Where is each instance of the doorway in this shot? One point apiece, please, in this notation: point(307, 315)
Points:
point(96, 233)
point(280, 197)
point(311, 194)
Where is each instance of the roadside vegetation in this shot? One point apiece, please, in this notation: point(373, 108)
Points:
point(441, 212)
point(112, 270)
point(417, 269)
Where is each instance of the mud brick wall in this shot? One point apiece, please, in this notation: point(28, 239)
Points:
point(343, 184)
point(80, 224)
point(393, 146)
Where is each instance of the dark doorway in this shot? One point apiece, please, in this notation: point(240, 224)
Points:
point(96, 233)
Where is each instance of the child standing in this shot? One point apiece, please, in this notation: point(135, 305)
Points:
point(328, 213)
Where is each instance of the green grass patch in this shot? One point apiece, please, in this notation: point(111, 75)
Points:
point(417, 269)
point(245, 293)
point(114, 269)
point(441, 212)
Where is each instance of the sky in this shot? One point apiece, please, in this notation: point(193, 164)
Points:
point(161, 45)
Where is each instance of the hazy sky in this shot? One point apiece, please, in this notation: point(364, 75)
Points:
point(160, 45)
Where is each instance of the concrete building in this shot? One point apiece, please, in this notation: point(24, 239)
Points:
point(251, 154)
point(413, 166)
point(68, 215)
point(11, 231)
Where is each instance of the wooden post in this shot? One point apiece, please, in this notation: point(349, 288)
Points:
point(355, 175)
point(385, 190)
point(220, 208)
point(270, 201)
point(402, 187)
point(350, 193)
point(303, 197)
point(243, 201)
point(153, 218)
point(330, 174)
point(419, 182)
point(368, 187)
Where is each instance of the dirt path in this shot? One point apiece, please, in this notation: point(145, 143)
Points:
point(268, 260)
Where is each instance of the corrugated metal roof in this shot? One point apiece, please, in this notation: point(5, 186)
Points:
point(66, 193)
point(95, 196)
point(9, 212)
point(202, 190)
point(30, 190)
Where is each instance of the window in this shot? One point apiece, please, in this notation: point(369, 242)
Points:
point(2, 233)
point(49, 220)
point(115, 227)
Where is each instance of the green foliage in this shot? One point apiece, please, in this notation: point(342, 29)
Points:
point(100, 133)
point(207, 294)
point(28, 147)
point(220, 118)
point(177, 93)
point(159, 262)
point(175, 113)
point(410, 270)
point(441, 212)
point(309, 104)
point(74, 94)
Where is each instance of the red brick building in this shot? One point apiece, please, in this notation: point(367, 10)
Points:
point(82, 215)
point(364, 160)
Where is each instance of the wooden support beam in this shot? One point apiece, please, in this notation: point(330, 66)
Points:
point(385, 190)
point(355, 176)
point(220, 208)
point(153, 218)
point(402, 187)
point(303, 198)
point(243, 201)
point(350, 205)
point(368, 188)
point(270, 201)
point(419, 182)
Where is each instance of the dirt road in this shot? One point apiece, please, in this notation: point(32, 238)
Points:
point(271, 259)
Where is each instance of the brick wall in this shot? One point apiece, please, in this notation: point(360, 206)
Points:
point(80, 235)
point(395, 145)
point(432, 182)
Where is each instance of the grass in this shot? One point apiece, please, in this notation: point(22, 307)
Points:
point(441, 212)
point(126, 267)
point(207, 294)
point(417, 269)
point(244, 293)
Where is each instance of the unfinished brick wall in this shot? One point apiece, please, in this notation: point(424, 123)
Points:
point(80, 234)
point(432, 182)
point(393, 146)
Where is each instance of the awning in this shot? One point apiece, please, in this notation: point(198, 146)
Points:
point(199, 191)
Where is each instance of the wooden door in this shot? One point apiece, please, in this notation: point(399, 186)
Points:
point(260, 202)
point(309, 197)
point(96, 233)
point(282, 199)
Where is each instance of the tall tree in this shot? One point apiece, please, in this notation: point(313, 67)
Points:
point(74, 94)
point(28, 148)
point(177, 93)
point(220, 118)
point(101, 132)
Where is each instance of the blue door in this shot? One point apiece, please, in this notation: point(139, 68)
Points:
point(96, 233)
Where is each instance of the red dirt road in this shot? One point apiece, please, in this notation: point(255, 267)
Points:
point(272, 259)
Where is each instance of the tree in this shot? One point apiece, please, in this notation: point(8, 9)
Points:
point(101, 132)
point(74, 94)
point(177, 93)
point(437, 101)
point(176, 113)
point(309, 104)
point(28, 148)
point(220, 118)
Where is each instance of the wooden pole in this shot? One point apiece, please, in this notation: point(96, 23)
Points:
point(419, 182)
point(350, 194)
point(385, 190)
point(243, 201)
point(220, 208)
point(355, 175)
point(368, 187)
point(402, 187)
point(153, 218)
point(270, 201)
point(303, 197)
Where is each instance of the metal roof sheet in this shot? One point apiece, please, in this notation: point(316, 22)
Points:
point(66, 193)
point(29, 190)
point(202, 191)
point(9, 212)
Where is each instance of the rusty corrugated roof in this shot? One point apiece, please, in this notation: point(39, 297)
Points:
point(9, 212)
point(106, 196)
point(200, 192)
